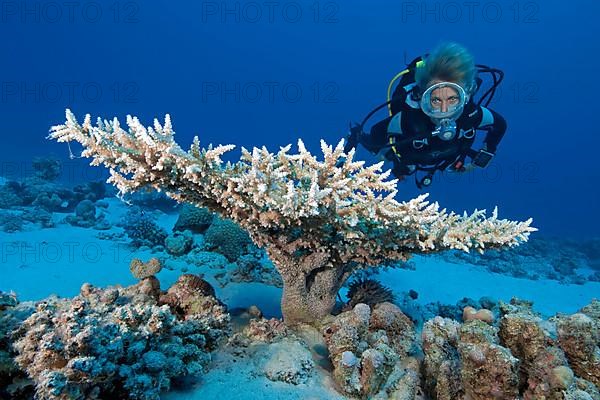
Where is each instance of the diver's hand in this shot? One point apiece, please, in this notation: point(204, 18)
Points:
point(460, 167)
point(351, 142)
point(353, 137)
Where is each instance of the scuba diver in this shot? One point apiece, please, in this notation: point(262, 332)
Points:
point(433, 118)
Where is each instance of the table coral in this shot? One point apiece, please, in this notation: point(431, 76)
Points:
point(317, 219)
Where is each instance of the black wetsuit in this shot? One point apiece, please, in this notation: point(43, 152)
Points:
point(412, 126)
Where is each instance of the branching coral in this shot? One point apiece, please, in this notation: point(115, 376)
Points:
point(317, 221)
point(117, 342)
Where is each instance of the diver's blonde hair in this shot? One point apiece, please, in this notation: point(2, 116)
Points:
point(448, 62)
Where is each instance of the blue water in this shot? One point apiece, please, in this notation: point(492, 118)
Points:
point(260, 73)
point(267, 73)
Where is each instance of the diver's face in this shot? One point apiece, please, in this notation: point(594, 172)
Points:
point(444, 98)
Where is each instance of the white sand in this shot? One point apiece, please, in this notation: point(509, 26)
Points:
point(438, 280)
point(232, 380)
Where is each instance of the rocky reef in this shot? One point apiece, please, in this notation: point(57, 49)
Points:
point(521, 358)
point(139, 341)
point(376, 352)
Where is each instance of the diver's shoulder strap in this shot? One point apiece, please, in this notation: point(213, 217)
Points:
point(410, 100)
point(395, 125)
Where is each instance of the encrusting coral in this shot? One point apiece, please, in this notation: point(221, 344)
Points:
point(544, 368)
point(441, 363)
point(13, 381)
point(488, 370)
point(370, 351)
point(142, 270)
point(579, 337)
point(520, 359)
point(317, 219)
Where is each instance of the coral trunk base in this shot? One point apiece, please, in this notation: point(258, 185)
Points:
point(299, 306)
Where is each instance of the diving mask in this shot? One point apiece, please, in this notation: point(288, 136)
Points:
point(444, 116)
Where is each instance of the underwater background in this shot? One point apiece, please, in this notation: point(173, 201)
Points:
point(266, 75)
point(254, 73)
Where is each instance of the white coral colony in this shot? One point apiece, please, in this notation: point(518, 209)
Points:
point(317, 219)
